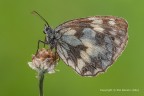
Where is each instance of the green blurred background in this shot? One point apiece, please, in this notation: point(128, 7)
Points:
point(20, 31)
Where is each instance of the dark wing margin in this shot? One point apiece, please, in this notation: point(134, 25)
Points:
point(90, 45)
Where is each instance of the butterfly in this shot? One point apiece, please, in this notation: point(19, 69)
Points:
point(89, 45)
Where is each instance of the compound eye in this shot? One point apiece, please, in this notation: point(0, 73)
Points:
point(47, 28)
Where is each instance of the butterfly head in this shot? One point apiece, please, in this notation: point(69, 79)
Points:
point(47, 29)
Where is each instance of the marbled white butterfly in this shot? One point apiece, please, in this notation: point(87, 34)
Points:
point(89, 45)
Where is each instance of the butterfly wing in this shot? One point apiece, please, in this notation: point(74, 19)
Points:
point(90, 45)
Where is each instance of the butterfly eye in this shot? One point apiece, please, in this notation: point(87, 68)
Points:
point(47, 28)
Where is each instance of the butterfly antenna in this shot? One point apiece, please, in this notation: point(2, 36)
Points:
point(36, 13)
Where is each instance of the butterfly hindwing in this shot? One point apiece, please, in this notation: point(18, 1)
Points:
point(89, 45)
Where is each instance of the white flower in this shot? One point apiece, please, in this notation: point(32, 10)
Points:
point(44, 61)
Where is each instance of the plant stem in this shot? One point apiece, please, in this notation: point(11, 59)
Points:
point(41, 78)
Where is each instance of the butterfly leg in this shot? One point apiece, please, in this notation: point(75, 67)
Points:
point(40, 41)
point(44, 41)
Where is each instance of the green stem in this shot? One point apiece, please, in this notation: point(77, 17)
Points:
point(41, 78)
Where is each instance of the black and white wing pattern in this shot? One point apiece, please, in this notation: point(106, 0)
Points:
point(90, 45)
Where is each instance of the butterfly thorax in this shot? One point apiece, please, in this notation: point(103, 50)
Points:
point(50, 36)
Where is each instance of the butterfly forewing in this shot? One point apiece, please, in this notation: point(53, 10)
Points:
point(90, 45)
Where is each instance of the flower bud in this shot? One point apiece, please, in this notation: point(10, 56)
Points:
point(44, 61)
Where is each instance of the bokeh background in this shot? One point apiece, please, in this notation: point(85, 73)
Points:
point(20, 31)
